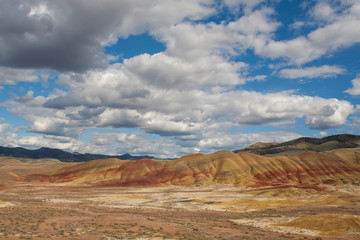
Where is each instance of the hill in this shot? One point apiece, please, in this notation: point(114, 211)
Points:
point(61, 155)
point(11, 168)
point(304, 144)
point(243, 169)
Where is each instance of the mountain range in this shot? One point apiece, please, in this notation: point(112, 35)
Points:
point(304, 144)
point(61, 155)
point(265, 149)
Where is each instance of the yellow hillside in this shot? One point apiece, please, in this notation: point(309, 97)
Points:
point(91, 172)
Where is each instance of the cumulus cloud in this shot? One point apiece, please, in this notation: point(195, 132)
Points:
point(320, 113)
point(97, 99)
point(191, 120)
point(59, 142)
point(355, 90)
point(323, 11)
point(192, 41)
point(330, 115)
point(70, 35)
point(311, 72)
point(186, 99)
point(257, 22)
point(163, 71)
point(110, 138)
point(342, 31)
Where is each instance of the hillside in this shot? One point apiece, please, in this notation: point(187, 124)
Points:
point(304, 144)
point(11, 168)
point(224, 167)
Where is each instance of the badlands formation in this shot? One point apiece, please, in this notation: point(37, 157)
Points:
point(301, 189)
point(241, 169)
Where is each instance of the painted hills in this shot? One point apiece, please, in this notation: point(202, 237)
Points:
point(308, 169)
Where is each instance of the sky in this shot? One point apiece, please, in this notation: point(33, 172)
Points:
point(174, 77)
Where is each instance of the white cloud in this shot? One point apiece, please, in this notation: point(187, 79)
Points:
point(329, 115)
point(59, 142)
point(192, 41)
point(257, 22)
point(189, 121)
point(323, 11)
point(299, 50)
point(311, 72)
point(110, 138)
point(117, 98)
point(342, 31)
point(53, 126)
point(163, 71)
point(355, 90)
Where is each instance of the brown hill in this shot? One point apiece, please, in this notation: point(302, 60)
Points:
point(109, 171)
point(225, 167)
point(304, 144)
point(11, 168)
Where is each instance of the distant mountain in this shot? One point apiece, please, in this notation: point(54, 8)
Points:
point(61, 155)
point(304, 144)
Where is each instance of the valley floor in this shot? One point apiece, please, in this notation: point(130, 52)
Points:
point(38, 211)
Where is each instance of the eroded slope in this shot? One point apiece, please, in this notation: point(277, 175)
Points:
point(225, 167)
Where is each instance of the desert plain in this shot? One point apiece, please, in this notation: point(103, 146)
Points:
point(48, 211)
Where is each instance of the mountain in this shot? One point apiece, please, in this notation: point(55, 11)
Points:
point(309, 169)
point(304, 144)
point(60, 154)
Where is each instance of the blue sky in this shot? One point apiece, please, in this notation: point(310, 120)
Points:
point(169, 78)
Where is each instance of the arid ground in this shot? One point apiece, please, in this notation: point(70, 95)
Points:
point(55, 211)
